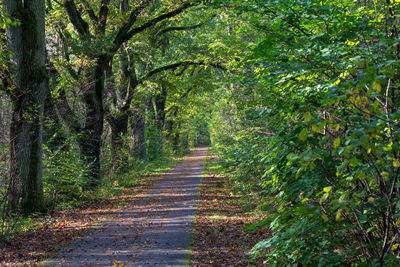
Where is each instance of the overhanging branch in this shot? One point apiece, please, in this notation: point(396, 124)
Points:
point(155, 20)
point(179, 64)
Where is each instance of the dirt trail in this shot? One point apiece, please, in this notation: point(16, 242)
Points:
point(154, 231)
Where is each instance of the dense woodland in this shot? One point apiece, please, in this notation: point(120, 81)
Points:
point(298, 98)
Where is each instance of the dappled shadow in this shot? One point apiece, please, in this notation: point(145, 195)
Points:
point(153, 228)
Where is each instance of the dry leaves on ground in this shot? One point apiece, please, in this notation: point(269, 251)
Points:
point(218, 237)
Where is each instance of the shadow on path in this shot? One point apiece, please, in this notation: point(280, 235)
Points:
point(154, 230)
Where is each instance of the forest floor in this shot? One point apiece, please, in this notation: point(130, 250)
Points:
point(219, 238)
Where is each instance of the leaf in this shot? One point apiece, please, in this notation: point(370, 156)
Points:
point(396, 163)
point(307, 117)
point(327, 189)
point(323, 198)
point(324, 217)
point(354, 162)
point(338, 216)
point(303, 134)
point(336, 143)
point(377, 86)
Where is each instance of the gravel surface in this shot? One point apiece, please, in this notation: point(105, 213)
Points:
point(155, 230)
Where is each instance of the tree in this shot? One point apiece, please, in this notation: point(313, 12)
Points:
point(26, 42)
point(96, 45)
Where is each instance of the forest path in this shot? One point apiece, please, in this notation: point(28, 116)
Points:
point(154, 230)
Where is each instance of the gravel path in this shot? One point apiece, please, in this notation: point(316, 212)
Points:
point(155, 231)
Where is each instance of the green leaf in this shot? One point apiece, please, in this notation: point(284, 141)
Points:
point(303, 134)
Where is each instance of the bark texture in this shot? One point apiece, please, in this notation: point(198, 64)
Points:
point(28, 59)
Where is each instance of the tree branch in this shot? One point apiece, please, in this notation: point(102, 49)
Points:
point(103, 13)
point(178, 64)
point(90, 11)
point(66, 113)
point(155, 20)
point(75, 17)
point(120, 38)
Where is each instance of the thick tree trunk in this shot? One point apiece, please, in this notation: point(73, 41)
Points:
point(137, 121)
point(28, 57)
point(90, 141)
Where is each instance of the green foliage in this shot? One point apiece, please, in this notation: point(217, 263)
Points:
point(63, 178)
point(318, 135)
point(155, 142)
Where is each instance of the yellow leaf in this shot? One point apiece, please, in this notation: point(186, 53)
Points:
point(315, 128)
point(396, 163)
point(377, 86)
point(336, 143)
point(324, 217)
point(371, 199)
point(339, 215)
point(328, 189)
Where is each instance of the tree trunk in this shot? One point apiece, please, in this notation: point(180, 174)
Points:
point(160, 101)
point(28, 59)
point(137, 119)
point(90, 141)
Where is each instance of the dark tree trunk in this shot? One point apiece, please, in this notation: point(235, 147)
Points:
point(90, 141)
point(137, 121)
point(27, 44)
